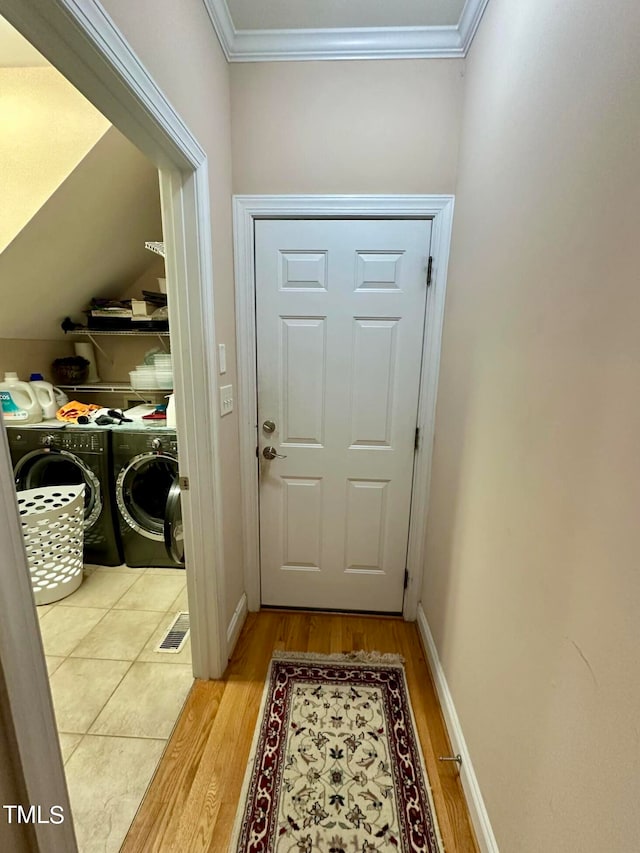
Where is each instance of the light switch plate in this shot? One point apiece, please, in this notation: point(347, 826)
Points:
point(226, 400)
point(222, 358)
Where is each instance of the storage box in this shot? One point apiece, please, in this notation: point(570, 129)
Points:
point(141, 308)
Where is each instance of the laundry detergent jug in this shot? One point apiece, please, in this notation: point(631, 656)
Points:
point(61, 397)
point(19, 402)
point(45, 394)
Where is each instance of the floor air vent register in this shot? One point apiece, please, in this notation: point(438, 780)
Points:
point(176, 636)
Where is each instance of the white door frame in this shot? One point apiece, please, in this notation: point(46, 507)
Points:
point(79, 38)
point(438, 208)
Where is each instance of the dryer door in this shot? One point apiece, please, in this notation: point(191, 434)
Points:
point(173, 527)
point(51, 467)
point(142, 490)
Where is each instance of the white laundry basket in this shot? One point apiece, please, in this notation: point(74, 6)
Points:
point(52, 521)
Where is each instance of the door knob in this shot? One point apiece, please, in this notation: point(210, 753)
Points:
point(269, 426)
point(272, 453)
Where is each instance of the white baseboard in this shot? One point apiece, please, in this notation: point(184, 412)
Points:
point(477, 810)
point(237, 621)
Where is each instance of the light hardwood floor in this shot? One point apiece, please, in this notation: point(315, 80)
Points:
point(192, 800)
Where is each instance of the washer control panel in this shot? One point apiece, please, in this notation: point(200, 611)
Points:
point(81, 441)
point(162, 444)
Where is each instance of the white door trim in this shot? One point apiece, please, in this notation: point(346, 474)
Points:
point(25, 677)
point(79, 38)
point(246, 209)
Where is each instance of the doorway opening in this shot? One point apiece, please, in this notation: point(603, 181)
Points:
point(86, 305)
point(92, 55)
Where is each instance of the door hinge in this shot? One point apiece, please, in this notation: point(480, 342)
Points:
point(416, 442)
point(429, 270)
point(406, 578)
point(183, 482)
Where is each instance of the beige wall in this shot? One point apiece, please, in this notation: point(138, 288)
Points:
point(183, 55)
point(25, 357)
point(346, 127)
point(47, 128)
point(532, 586)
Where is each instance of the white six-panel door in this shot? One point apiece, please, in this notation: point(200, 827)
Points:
point(340, 309)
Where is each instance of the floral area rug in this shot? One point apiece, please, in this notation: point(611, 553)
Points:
point(335, 765)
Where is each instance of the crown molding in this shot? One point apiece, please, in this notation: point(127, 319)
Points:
point(469, 21)
point(220, 17)
point(326, 44)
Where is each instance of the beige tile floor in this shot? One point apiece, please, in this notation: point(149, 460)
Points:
point(116, 699)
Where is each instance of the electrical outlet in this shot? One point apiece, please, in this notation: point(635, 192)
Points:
point(226, 400)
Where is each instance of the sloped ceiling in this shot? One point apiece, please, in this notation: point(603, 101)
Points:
point(87, 240)
point(15, 51)
point(48, 127)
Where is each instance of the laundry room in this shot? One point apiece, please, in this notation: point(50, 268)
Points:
point(86, 383)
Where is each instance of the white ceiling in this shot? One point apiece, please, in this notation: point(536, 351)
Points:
point(322, 14)
point(15, 51)
point(276, 30)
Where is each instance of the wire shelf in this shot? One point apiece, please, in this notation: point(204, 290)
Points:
point(153, 246)
point(132, 332)
point(112, 387)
